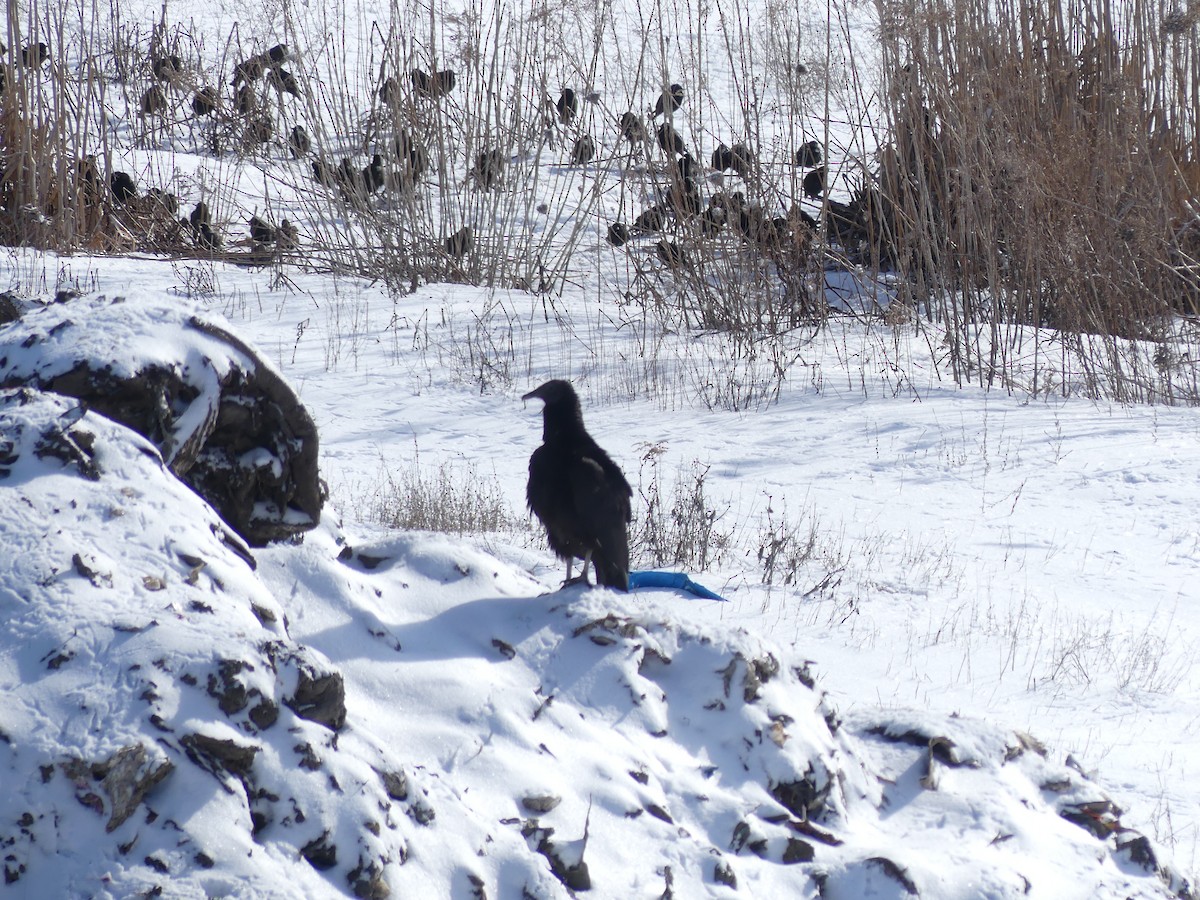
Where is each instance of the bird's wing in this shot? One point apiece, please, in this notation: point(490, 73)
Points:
point(602, 509)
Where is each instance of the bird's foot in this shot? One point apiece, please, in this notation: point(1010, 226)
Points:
point(578, 579)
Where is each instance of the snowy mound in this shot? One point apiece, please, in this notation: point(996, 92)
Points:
point(406, 718)
point(223, 418)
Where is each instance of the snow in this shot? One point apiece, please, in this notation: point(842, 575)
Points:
point(968, 575)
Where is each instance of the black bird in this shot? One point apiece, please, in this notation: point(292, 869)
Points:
point(261, 232)
point(652, 219)
point(421, 82)
point(814, 184)
point(712, 219)
point(204, 102)
point(618, 233)
point(374, 175)
point(567, 106)
point(322, 174)
point(633, 129)
point(686, 168)
point(669, 139)
point(259, 130)
point(578, 492)
point(35, 54)
point(389, 92)
point(671, 255)
point(207, 237)
point(165, 200)
point(249, 70)
point(685, 197)
point(671, 100)
point(808, 155)
point(123, 187)
point(436, 85)
point(246, 101)
point(200, 215)
point(153, 101)
point(166, 68)
point(288, 236)
point(489, 167)
point(412, 150)
point(460, 243)
point(283, 81)
point(722, 158)
point(741, 160)
point(350, 180)
point(583, 151)
point(299, 141)
point(443, 82)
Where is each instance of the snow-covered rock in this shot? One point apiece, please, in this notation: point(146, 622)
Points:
point(223, 418)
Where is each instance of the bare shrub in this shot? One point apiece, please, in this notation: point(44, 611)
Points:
point(450, 498)
point(677, 524)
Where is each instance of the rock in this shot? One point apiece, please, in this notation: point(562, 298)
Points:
point(218, 755)
point(10, 308)
point(723, 874)
point(367, 881)
point(320, 853)
point(797, 851)
point(319, 695)
point(395, 784)
point(127, 777)
point(224, 421)
point(223, 685)
point(542, 803)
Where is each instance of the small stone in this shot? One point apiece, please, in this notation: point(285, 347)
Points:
point(541, 803)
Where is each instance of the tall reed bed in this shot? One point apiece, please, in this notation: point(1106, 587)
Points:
point(1040, 174)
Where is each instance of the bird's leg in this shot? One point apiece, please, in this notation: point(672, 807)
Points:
point(582, 577)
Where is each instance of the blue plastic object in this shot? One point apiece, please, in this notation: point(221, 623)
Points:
point(676, 580)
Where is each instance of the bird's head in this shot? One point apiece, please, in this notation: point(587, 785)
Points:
point(562, 406)
point(553, 393)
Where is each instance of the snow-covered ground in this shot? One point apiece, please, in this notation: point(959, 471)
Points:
point(976, 568)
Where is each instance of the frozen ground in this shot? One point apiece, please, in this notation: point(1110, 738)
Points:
point(954, 563)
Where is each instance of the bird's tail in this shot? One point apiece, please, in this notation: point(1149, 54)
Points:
point(612, 567)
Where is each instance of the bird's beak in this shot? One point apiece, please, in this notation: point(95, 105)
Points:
point(531, 395)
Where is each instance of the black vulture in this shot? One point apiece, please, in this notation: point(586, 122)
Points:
point(299, 141)
point(261, 232)
point(123, 187)
point(578, 492)
point(583, 151)
point(618, 234)
point(460, 243)
point(814, 184)
point(808, 155)
point(166, 68)
point(633, 129)
point(204, 102)
point(671, 100)
point(567, 106)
